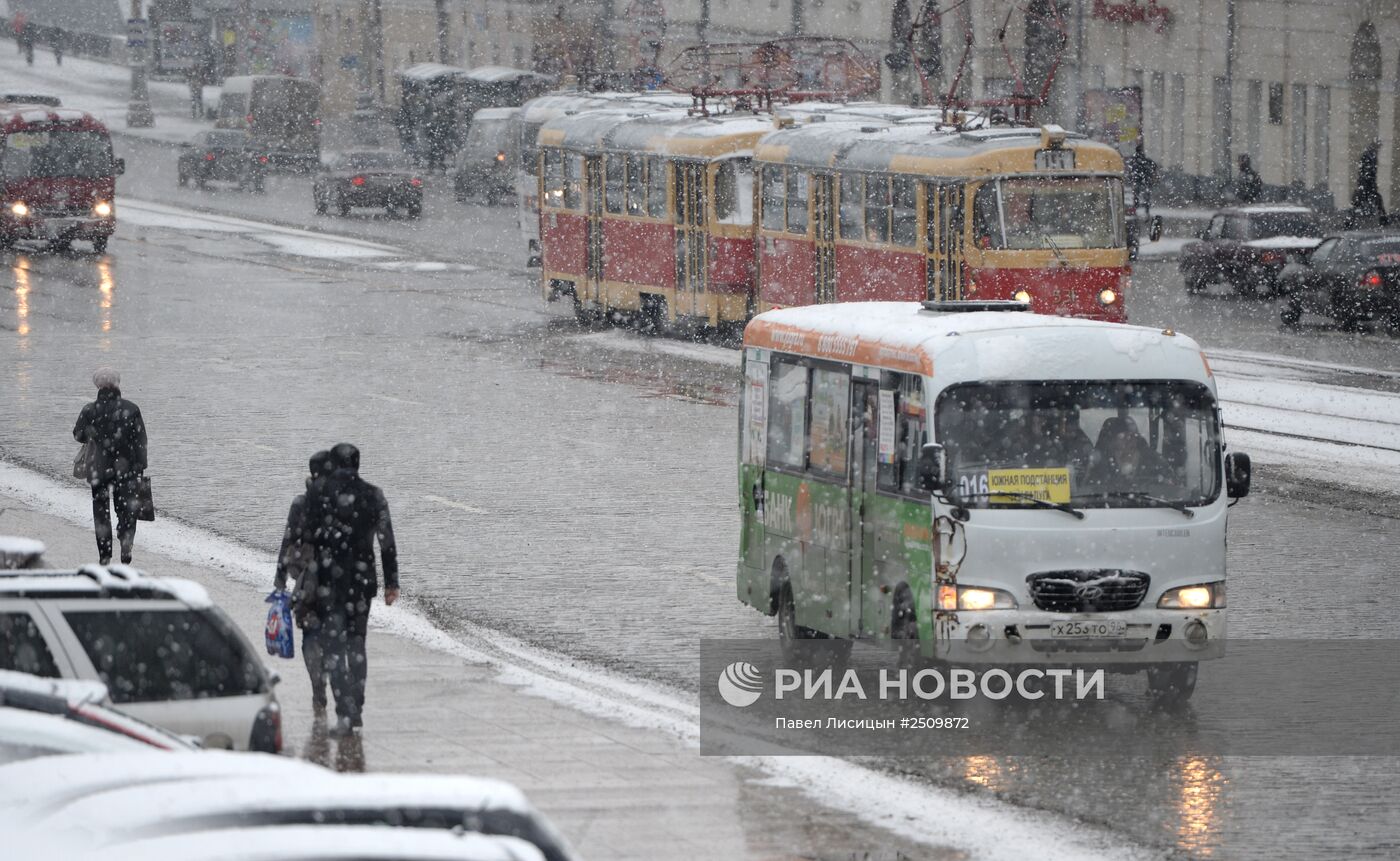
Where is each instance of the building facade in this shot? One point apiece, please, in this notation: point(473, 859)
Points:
point(1301, 86)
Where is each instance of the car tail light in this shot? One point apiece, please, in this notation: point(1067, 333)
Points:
point(316, 121)
point(359, 180)
point(1271, 257)
point(262, 159)
point(208, 156)
point(416, 182)
point(1371, 280)
point(249, 119)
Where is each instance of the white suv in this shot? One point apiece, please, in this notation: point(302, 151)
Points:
point(166, 654)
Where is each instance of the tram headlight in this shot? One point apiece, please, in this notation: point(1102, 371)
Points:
point(102, 209)
point(1108, 296)
point(952, 597)
point(19, 208)
point(1022, 296)
point(1203, 597)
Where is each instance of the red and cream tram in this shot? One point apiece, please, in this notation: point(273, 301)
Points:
point(651, 214)
point(915, 210)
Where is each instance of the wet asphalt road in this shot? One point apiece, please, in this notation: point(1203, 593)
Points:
point(549, 483)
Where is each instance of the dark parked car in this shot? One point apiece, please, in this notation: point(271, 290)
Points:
point(1248, 246)
point(1350, 277)
point(224, 156)
point(368, 178)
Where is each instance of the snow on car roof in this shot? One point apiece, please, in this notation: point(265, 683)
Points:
point(72, 691)
point(492, 74)
point(26, 787)
point(495, 114)
point(44, 733)
point(326, 843)
point(111, 580)
point(16, 545)
point(1273, 207)
point(1285, 242)
point(974, 345)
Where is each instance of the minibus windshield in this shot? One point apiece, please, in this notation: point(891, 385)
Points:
point(1111, 444)
point(58, 153)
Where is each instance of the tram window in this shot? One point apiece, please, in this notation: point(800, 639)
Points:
point(899, 469)
point(613, 183)
point(636, 187)
point(573, 181)
point(787, 416)
point(734, 191)
point(877, 209)
point(774, 199)
point(656, 187)
point(796, 201)
point(831, 407)
point(905, 227)
point(986, 217)
point(852, 206)
point(553, 178)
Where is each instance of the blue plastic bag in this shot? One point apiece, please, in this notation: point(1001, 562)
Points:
point(280, 631)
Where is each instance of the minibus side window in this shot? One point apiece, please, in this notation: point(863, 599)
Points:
point(613, 182)
point(898, 468)
point(831, 407)
point(787, 416)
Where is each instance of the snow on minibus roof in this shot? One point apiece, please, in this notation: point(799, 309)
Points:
point(904, 336)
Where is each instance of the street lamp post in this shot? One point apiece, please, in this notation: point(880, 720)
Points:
point(138, 108)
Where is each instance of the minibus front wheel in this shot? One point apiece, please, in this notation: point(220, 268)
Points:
point(1171, 684)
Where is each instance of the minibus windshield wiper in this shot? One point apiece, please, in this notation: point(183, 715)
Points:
point(1043, 503)
point(1133, 494)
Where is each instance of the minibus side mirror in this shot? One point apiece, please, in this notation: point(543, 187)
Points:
point(1237, 474)
point(931, 467)
point(118, 166)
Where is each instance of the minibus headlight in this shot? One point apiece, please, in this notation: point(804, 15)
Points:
point(952, 597)
point(1107, 296)
point(102, 209)
point(19, 208)
point(1203, 597)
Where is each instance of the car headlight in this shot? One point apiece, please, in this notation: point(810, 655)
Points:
point(102, 209)
point(20, 208)
point(1203, 597)
point(952, 597)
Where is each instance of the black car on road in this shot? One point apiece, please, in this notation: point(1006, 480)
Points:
point(1351, 277)
point(368, 178)
point(224, 156)
point(1248, 246)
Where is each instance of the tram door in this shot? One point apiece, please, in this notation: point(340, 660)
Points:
point(824, 213)
point(691, 238)
point(943, 210)
point(593, 182)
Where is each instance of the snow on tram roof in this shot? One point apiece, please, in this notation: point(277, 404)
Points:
point(906, 336)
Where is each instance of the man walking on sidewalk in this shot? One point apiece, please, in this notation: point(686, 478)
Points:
point(346, 515)
point(118, 435)
point(295, 559)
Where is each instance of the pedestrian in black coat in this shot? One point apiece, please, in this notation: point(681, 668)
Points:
point(295, 560)
point(1367, 207)
point(115, 427)
point(1249, 186)
point(1141, 173)
point(346, 515)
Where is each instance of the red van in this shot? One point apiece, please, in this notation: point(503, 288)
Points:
point(57, 176)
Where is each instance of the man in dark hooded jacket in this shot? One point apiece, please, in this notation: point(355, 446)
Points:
point(118, 433)
point(295, 560)
point(346, 515)
point(1367, 207)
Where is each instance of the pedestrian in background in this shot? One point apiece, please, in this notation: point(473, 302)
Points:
point(59, 38)
point(347, 514)
point(1367, 207)
point(1141, 172)
point(1249, 187)
point(26, 41)
point(295, 561)
point(114, 428)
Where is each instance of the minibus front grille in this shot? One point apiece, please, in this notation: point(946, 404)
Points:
point(1093, 591)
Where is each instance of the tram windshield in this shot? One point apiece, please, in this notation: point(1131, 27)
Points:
point(1091, 444)
point(1056, 212)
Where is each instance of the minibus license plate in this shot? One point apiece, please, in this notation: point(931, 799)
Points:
point(1074, 628)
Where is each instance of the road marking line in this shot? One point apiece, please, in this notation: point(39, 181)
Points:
point(451, 503)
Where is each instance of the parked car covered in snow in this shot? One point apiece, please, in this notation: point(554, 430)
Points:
point(20, 552)
point(324, 843)
point(1350, 277)
point(1248, 246)
point(165, 652)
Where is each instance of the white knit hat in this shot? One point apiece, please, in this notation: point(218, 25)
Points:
point(106, 378)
